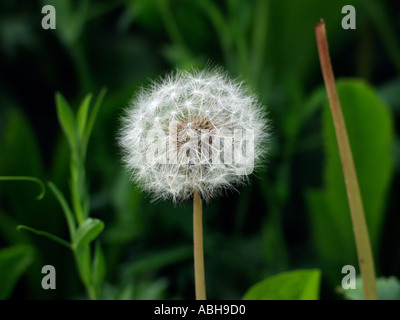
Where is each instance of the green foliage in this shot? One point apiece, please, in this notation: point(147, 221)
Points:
point(87, 232)
point(78, 130)
point(86, 127)
point(369, 126)
point(294, 285)
point(67, 121)
point(82, 115)
point(99, 267)
point(13, 263)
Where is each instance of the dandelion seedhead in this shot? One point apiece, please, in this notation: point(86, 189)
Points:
point(191, 131)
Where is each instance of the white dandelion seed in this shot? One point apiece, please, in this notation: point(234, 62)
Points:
point(193, 131)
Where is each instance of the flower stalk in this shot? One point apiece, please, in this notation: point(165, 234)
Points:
point(360, 229)
point(199, 273)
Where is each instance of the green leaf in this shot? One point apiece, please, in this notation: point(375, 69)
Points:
point(67, 120)
point(88, 231)
point(82, 256)
point(24, 178)
point(370, 130)
point(69, 216)
point(388, 289)
point(93, 115)
point(45, 234)
point(91, 273)
point(294, 285)
point(82, 115)
point(98, 267)
point(13, 263)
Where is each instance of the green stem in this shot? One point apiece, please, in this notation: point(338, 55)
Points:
point(353, 191)
point(199, 275)
point(83, 263)
point(78, 188)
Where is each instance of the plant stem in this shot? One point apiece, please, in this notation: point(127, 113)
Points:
point(353, 191)
point(199, 276)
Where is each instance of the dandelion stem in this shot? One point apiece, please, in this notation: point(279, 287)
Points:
point(353, 191)
point(199, 276)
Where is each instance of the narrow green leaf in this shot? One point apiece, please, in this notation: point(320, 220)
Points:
point(82, 257)
point(13, 263)
point(67, 120)
point(370, 129)
point(294, 285)
point(98, 267)
point(69, 216)
point(45, 234)
point(82, 115)
point(93, 115)
point(88, 231)
point(24, 178)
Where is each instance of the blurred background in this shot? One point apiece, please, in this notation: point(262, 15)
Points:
point(293, 215)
